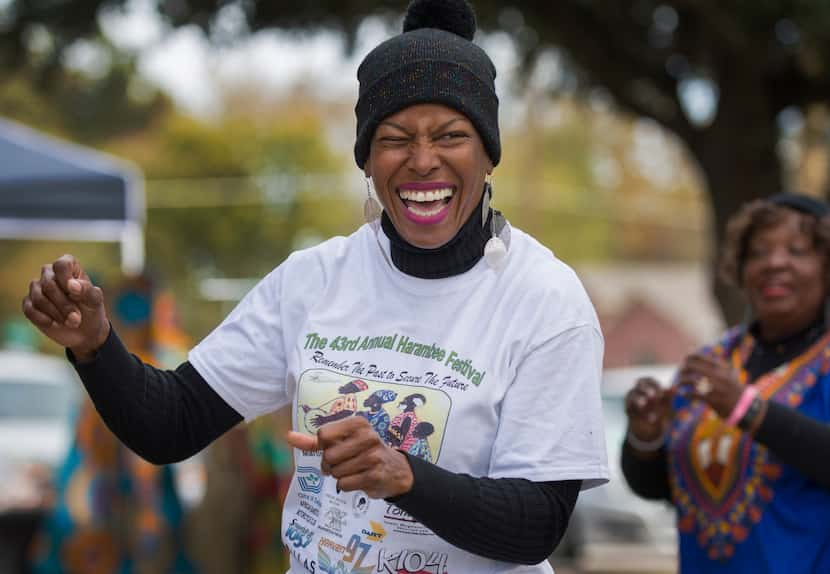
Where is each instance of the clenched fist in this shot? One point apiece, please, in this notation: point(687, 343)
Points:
point(65, 305)
point(355, 455)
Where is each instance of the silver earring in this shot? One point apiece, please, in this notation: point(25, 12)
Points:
point(495, 251)
point(371, 208)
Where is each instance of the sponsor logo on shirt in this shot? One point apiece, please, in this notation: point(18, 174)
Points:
point(375, 533)
point(395, 513)
point(326, 543)
point(360, 503)
point(310, 479)
point(403, 523)
point(333, 521)
point(307, 517)
point(313, 510)
point(298, 535)
point(309, 565)
point(411, 562)
point(310, 498)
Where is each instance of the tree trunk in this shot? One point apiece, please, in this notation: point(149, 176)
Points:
point(737, 154)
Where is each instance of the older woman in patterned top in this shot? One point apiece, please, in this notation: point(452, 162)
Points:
point(734, 443)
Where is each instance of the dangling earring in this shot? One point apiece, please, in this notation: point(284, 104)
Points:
point(371, 208)
point(495, 251)
point(488, 195)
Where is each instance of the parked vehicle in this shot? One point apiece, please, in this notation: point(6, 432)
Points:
point(611, 526)
point(38, 395)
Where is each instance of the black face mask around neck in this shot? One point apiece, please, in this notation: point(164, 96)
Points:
point(458, 255)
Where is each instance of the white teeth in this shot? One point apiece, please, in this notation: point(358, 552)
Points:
point(425, 212)
point(426, 196)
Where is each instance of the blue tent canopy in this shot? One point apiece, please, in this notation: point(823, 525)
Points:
point(50, 189)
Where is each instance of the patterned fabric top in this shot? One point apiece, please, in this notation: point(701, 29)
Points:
point(724, 484)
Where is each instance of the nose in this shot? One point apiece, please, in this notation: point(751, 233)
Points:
point(423, 158)
point(778, 257)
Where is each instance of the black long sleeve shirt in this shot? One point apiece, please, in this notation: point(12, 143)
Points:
point(167, 416)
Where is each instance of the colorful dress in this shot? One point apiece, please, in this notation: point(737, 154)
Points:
point(409, 439)
point(379, 421)
point(420, 449)
point(740, 509)
point(115, 513)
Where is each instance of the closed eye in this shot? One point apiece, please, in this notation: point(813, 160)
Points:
point(393, 140)
point(452, 138)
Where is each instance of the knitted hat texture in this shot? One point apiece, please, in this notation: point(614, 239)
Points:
point(433, 61)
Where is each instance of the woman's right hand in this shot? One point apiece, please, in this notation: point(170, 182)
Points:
point(66, 307)
point(648, 407)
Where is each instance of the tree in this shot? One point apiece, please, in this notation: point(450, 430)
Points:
point(751, 59)
point(233, 197)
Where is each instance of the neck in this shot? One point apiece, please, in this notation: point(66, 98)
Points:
point(776, 333)
point(456, 256)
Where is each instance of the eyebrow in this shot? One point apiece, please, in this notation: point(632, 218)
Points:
point(443, 126)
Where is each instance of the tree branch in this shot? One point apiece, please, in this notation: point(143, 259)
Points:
point(603, 44)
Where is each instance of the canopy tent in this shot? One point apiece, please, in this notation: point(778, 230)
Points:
point(50, 189)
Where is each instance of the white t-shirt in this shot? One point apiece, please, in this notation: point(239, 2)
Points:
point(490, 373)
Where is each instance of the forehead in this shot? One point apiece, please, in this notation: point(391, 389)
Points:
point(424, 115)
point(786, 224)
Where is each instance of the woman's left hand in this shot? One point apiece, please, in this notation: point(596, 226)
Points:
point(354, 454)
point(712, 381)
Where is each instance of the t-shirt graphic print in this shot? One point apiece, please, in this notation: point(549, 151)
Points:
point(403, 389)
point(409, 418)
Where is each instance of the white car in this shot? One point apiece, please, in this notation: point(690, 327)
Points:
point(611, 527)
point(38, 397)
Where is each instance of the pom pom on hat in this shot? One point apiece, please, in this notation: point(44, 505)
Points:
point(456, 16)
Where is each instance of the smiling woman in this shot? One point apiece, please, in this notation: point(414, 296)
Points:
point(428, 165)
point(447, 363)
point(734, 443)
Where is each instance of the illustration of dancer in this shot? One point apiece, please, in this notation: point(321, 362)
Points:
point(404, 423)
point(343, 406)
point(377, 415)
point(420, 448)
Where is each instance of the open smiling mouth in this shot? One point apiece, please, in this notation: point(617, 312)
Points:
point(426, 206)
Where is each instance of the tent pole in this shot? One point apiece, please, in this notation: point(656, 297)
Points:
point(132, 249)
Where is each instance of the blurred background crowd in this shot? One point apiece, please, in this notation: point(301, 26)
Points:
point(220, 134)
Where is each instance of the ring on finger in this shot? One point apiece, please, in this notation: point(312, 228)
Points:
point(703, 386)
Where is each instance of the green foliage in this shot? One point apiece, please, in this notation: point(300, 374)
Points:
point(229, 199)
point(759, 57)
point(87, 109)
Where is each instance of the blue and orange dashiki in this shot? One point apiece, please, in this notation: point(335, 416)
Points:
point(740, 509)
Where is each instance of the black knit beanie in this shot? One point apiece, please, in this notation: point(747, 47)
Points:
point(803, 203)
point(433, 61)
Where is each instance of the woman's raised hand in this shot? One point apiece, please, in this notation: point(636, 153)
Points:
point(65, 305)
point(711, 380)
point(648, 407)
